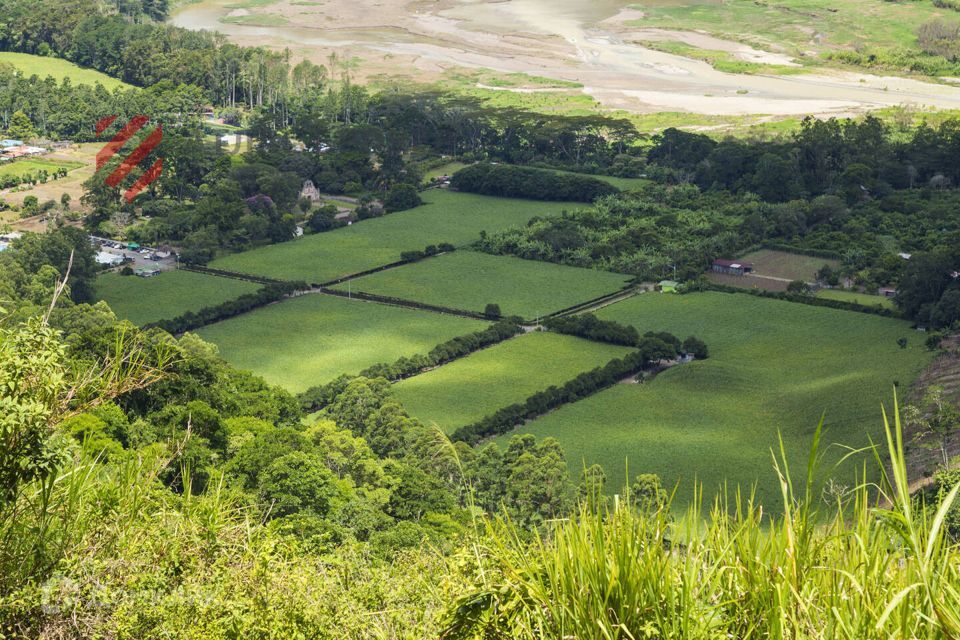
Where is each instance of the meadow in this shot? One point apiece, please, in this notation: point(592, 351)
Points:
point(446, 216)
point(168, 295)
point(774, 367)
point(24, 166)
point(469, 280)
point(311, 339)
point(792, 266)
point(59, 69)
point(798, 26)
point(468, 389)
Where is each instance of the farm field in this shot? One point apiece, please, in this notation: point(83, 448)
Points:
point(774, 367)
point(168, 295)
point(59, 69)
point(790, 266)
point(856, 297)
point(469, 280)
point(79, 159)
point(468, 389)
point(312, 339)
point(26, 166)
point(457, 218)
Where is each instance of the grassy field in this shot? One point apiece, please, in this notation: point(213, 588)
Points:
point(167, 295)
point(24, 166)
point(82, 156)
point(856, 297)
point(59, 69)
point(468, 389)
point(799, 26)
point(311, 339)
point(774, 366)
point(447, 216)
point(469, 280)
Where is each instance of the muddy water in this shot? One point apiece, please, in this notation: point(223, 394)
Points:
point(575, 40)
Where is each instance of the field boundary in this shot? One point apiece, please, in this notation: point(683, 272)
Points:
point(401, 302)
point(596, 303)
point(236, 275)
point(800, 298)
point(383, 267)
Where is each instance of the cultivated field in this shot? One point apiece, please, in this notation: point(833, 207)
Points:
point(774, 367)
point(773, 270)
point(857, 298)
point(468, 389)
point(59, 69)
point(312, 339)
point(469, 280)
point(447, 216)
point(33, 166)
point(79, 159)
point(168, 295)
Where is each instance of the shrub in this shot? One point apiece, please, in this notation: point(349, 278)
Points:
point(402, 197)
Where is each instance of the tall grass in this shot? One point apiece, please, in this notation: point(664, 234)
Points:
point(845, 567)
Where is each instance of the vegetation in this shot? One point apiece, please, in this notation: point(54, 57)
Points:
point(311, 339)
point(468, 389)
point(456, 218)
point(48, 67)
point(775, 368)
point(168, 295)
point(469, 280)
point(525, 182)
point(856, 297)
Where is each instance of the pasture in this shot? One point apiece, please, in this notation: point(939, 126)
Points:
point(59, 69)
point(168, 295)
point(774, 367)
point(32, 166)
point(311, 339)
point(469, 280)
point(446, 216)
point(468, 389)
point(789, 266)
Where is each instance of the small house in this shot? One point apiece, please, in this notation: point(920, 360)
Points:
point(147, 273)
point(109, 259)
point(310, 192)
point(731, 267)
point(887, 292)
point(667, 286)
point(11, 143)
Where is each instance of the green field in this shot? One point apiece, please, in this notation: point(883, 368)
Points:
point(23, 166)
point(792, 266)
point(447, 216)
point(857, 298)
point(469, 280)
point(168, 295)
point(59, 69)
point(791, 24)
point(774, 365)
point(312, 339)
point(468, 389)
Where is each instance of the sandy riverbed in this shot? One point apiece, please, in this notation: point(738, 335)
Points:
point(583, 41)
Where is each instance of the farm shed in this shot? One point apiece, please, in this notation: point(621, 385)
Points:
point(887, 292)
point(731, 267)
point(667, 286)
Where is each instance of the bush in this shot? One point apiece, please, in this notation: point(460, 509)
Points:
point(525, 182)
point(696, 347)
point(492, 311)
point(402, 197)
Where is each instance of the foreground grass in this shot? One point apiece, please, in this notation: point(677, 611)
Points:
point(312, 339)
point(447, 216)
point(469, 280)
point(468, 389)
point(774, 367)
point(59, 69)
point(168, 295)
point(834, 568)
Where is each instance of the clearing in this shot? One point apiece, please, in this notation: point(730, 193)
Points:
point(773, 270)
point(311, 339)
point(469, 280)
point(466, 390)
point(447, 216)
point(168, 295)
point(774, 367)
point(59, 69)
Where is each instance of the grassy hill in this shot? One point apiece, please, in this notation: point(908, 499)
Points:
point(59, 69)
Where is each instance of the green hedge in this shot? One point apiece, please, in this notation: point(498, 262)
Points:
point(525, 182)
point(247, 302)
